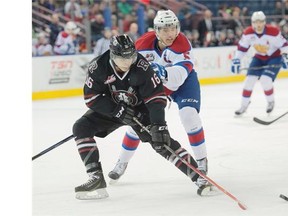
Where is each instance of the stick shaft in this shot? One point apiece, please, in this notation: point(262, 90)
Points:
point(241, 205)
point(52, 147)
point(261, 67)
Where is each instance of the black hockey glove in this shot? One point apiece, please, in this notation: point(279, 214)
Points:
point(125, 114)
point(160, 137)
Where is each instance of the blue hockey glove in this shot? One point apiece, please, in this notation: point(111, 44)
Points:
point(235, 67)
point(160, 71)
point(285, 61)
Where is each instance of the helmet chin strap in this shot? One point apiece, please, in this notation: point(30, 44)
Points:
point(160, 41)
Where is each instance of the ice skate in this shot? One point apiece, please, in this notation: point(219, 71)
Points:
point(117, 172)
point(94, 188)
point(270, 107)
point(205, 188)
point(242, 110)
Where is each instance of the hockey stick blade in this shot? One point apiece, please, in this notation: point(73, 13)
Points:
point(268, 122)
point(283, 197)
point(240, 204)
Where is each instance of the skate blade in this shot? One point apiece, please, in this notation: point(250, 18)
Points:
point(113, 181)
point(238, 115)
point(93, 195)
point(208, 191)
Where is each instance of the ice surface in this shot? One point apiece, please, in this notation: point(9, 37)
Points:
point(248, 159)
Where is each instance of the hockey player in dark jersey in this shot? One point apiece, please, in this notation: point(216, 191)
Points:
point(121, 85)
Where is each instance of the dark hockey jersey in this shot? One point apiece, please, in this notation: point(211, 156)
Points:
point(104, 88)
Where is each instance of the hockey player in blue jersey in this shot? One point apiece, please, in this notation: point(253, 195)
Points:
point(170, 54)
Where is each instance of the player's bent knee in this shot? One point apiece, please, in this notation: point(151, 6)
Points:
point(80, 129)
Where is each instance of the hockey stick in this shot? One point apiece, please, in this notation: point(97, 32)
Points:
point(52, 147)
point(241, 205)
point(268, 122)
point(261, 67)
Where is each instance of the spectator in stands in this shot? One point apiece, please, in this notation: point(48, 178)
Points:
point(42, 10)
point(224, 13)
point(285, 7)
point(55, 28)
point(114, 21)
point(231, 40)
point(150, 15)
point(72, 10)
point(234, 21)
point(42, 46)
point(210, 40)
point(94, 10)
point(244, 13)
point(66, 43)
point(133, 31)
point(97, 27)
point(124, 8)
point(102, 45)
point(128, 19)
point(226, 38)
point(278, 11)
point(195, 38)
point(185, 15)
point(80, 41)
point(222, 36)
point(51, 5)
point(206, 25)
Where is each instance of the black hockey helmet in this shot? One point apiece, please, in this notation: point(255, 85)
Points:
point(122, 46)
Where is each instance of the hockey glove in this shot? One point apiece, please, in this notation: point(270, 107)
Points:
point(160, 137)
point(285, 60)
point(125, 114)
point(235, 67)
point(160, 71)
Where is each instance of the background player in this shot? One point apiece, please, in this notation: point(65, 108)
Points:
point(269, 44)
point(170, 53)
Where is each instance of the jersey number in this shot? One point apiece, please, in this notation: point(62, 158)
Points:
point(89, 82)
point(155, 80)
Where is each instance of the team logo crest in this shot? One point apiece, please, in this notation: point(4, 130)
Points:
point(129, 97)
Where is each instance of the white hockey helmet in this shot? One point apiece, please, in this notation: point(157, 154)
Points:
point(71, 27)
point(166, 18)
point(258, 15)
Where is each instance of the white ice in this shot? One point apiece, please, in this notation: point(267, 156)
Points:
point(247, 159)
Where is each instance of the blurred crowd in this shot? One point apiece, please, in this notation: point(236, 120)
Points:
point(64, 23)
